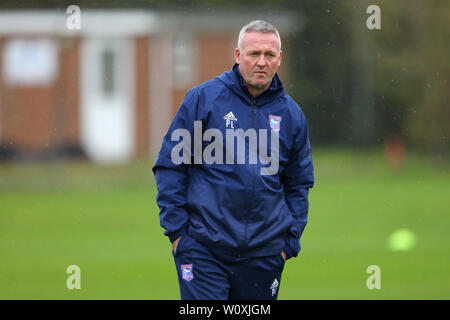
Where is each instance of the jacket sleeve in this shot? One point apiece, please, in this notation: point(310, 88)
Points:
point(297, 179)
point(171, 176)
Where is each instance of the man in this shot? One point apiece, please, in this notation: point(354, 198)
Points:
point(233, 213)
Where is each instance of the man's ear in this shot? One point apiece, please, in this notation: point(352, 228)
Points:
point(237, 55)
point(281, 56)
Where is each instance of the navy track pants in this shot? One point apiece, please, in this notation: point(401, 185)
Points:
point(204, 276)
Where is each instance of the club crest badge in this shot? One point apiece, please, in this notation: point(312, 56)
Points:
point(275, 122)
point(186, 270)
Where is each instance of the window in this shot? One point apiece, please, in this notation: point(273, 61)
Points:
point(108, 83)
point(184, 60)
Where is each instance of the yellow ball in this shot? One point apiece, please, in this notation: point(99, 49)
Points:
point(402, 240)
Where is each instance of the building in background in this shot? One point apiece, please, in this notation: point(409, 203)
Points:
point(110, 89)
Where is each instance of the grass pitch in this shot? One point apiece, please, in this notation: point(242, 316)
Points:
point(105, 220)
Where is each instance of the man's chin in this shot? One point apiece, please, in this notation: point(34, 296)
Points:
point(259, 85)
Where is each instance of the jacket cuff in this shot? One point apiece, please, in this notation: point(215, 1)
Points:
point(289, 252)
point(291, 246)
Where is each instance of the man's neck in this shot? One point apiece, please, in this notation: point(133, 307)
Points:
point(254, 92)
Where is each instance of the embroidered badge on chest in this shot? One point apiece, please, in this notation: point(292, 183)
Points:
point(275, 122)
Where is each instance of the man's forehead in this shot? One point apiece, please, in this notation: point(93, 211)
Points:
point(258, 40)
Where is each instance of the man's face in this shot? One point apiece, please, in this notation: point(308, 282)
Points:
point(258, 60)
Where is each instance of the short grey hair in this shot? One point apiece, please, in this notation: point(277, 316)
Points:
point(258, 26)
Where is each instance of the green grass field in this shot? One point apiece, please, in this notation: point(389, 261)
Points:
point(105, 220)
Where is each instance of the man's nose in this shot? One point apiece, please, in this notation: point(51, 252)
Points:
point(261, 61)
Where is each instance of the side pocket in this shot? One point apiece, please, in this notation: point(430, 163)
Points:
point(282, 261)
point(179, 246)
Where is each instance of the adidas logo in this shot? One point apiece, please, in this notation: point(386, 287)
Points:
point(274, 287)
point(229, 118)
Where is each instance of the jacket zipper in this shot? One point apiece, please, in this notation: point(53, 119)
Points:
point(247, 220)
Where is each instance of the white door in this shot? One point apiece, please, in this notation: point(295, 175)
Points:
point(107, 107)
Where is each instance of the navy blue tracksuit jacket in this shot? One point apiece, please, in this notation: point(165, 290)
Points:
point(232, 208)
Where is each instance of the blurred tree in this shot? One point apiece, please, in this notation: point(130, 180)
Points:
point(429, 125)
point(411, 73)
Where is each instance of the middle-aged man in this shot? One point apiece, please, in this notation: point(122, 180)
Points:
point(233, 177)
